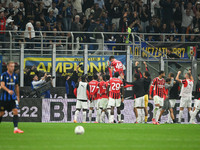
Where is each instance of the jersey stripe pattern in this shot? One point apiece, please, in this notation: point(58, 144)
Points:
point(115, 86)
point(94, 89)
point(103, 89)
point(118, 66)
point(10, 82)
point(158, 86)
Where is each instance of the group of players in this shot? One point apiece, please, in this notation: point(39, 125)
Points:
point(105, 92)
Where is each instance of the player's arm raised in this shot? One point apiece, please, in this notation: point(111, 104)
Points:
point(177, 77)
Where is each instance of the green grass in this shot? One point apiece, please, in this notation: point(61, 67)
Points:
point(60, 136)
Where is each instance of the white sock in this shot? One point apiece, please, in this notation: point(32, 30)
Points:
point(15, 128)
point(90, 116)
point(180, 115)
point(158, 114)
point(111, 119)
point(119, 117)
point(193, 115)
point(155, 112)
point(76, 115)
point(98, 115)
point(84, 116)
point(142, 116)
point(102, 120)
point(109, 113)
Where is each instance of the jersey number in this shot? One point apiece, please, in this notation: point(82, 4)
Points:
point(115, 86)
point(92, 88)
point(119, 65)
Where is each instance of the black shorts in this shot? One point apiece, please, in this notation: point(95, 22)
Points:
point(166, 105)
point(7, 105)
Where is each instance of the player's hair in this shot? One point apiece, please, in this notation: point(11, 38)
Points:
point(107, 77)
point(147, 74)
point(111, 57)
point(168, 79)
point(137, 76)
point(161, 72)
point(83, 78)
point(116, 74)
point(10, 62)
point(95, 77)
point(189, 75)
point(171, 74)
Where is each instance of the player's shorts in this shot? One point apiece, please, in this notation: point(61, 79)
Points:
point(172, 102)
point(166, 105)
point(158, 100)
point(7, 105)
point(197, 104)
point(114, 102)
point(94, 104)
point(81, 104)
point(146, 100)
point(139, 102)
point(186, 102)
point(103, 103)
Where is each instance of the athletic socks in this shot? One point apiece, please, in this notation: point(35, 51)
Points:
point(193, 115)
point(102, 120)
point(90, 116)
point(98, 115)
point(111, 119)
point(180, 116)
point(15, 121)
point(169, 117)
point(119, 117)
point(155, 112)
point(76, 115)
point(145, 118)
point(0, 119)
point(109, 113)
point(84, 116)
point(158, 114)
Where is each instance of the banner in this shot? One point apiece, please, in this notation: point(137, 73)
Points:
point(65, 64)
point(63, 110)
point(183, 50)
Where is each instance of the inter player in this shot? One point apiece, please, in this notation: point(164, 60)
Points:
point(158, 88)
point(116, 65)
point(196, 102)
point(115, 97)
point(94, 99)
point(81, 91)
point(103, 99)
point(186, 93)
point(10, 96)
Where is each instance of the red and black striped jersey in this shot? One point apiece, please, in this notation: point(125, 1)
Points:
point(115, 86)
point(94, 89)
point(158, 87)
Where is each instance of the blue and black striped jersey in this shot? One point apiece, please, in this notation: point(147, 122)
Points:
point(10, 82)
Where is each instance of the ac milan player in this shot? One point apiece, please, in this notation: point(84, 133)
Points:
point(186, 93)
point(94, 98)
point(196, 102)
point(116, 65)
point(158, 88)
point(115, 97)
point(103, 99)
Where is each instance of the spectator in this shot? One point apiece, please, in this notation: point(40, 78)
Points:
point(196, 22)
point(100, 3)
point(177, 16)
point(15, 4)
point(173, 66)
point(116, 12)
point(54, 9)
point(144, 16)
point(19, 21)
point(55, 40)
point(187, 18)
point(97, 11)
point(164, 28)
point(167, 11)
point(77, 5)
point(11, 11)
point(47, 4)
point(2, 9)
point(2, 29)
point(59, 28)
point(6, 3)
point(67, 16)
point(29, 34)
point(50, 18)
point(21, 9)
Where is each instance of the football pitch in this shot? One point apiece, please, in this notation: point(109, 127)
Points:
point(60, 136)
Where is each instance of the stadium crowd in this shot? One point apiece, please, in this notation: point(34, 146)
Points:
point(142, 16)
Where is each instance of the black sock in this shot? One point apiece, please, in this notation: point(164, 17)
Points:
point(0, 119)
point(15, 120)
point(174, 121)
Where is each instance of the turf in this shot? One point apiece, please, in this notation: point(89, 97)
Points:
point(60, 136)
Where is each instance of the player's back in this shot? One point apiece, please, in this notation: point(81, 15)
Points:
point(103, 89)
point(93, 88)
point(118, 66)
point(187, 87)
point(82, 91)
point(138, 88)
point(159, 86)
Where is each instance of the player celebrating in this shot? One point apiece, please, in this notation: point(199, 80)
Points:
point(10, 96)
point(158, 88)
point(81, 91)
point(196, 102)
point(186, 93)
point(94, 99)
point(115, 97)
point(116, 65)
